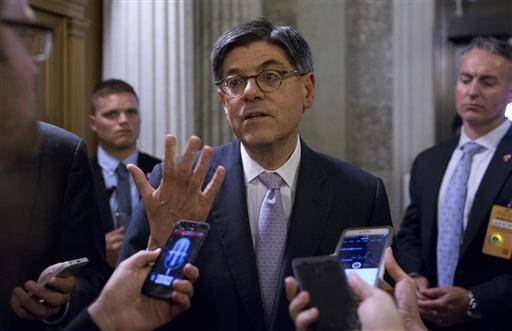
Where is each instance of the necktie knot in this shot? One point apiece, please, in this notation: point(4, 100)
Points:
point(271, 180)
point(121, 170)
point(471, 148)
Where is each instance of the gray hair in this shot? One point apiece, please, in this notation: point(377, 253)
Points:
point(492, 45)
point(287, 38)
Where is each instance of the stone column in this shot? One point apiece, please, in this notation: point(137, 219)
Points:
point(369, 89)
point(211, 18)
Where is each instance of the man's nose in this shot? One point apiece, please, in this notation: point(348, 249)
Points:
point(252, 90)
point(123, 118)
point(473, 89)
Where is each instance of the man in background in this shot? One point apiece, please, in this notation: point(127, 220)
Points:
point(454, 186)
point(116, 121)
point(45, 193)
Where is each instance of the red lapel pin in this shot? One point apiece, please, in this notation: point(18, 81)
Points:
point(506, 157)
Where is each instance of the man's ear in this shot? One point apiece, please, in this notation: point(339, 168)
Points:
point(92, 122)
point(309, 90)
point(223, 99)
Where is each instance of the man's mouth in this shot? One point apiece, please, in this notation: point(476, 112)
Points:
point(255, 115)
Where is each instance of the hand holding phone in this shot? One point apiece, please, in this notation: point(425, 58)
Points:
point(327, 285)
point(181, 248)
point(61, 269)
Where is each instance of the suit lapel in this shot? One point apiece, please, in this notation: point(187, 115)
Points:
point(311, 206)
point(491, 184)
point(231, 220)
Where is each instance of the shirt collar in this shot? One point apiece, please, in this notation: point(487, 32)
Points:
point(109, 163)
point(490, 140)
point(287, 171)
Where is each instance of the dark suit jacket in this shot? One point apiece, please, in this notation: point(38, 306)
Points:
point(488, 277)
point(145, 162)
point(331, 196)
point(46, 216)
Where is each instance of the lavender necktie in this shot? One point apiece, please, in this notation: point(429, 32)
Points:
point(449, 235)
point(270, 241)
point(124, 201)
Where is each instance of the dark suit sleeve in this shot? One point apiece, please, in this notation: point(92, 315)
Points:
point(493, 297)
point(409, 236)
point(81, 232)
point(137, 233)
point(380, 213)
point(83, 322)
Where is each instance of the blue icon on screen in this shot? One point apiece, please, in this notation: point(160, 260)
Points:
point(177, 255)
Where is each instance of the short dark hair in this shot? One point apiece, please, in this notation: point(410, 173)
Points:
point(111, 86)
point(494, 46)
point(287, 38)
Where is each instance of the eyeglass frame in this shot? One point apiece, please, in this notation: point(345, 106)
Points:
point(282, 75)
point(37, 26)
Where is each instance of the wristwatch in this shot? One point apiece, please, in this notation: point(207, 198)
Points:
point(472, 308)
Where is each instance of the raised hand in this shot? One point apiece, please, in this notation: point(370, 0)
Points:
point(179, 195)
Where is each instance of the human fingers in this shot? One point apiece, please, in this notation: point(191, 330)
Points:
point(306, 318)
point(16, 305)
point(140, 259)
point(65, 284)
point(205, 158)
point(191, 272)
point(50, 296)
point(187, 158)
point(430, 305)
point(433, 293)
point(32, 305)
point(360, 287)
point(291, 287)
point(114, 238)
point(180, 299)
point(169, 162)
point(213, 187)
point(298, 304)
point(145, 189)
point(392, 266)
point(183, 286)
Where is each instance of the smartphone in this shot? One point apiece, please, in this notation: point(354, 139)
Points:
point(181, 248)
point(62, 269)
point(323, 278)
point(361, 250)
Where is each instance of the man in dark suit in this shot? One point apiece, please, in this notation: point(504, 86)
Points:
point(453, 188)
point(279, 200)
point(116, 121)
point(45, 192)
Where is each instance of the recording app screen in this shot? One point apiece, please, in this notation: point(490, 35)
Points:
point(175, 254)
point(361, 254)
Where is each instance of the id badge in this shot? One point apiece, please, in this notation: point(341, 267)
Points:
point(498, 239)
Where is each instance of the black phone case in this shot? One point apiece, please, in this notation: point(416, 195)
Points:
point(165, 292)
point(324, 279)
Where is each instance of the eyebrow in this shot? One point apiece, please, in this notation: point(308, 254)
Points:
point(263, 66)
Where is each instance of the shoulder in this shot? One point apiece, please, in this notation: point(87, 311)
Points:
point(59, 142)
point(338, 171)
point(147, 162)
point(436, 152)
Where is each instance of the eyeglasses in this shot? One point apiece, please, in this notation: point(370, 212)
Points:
point(37, 38)
point(267, 80)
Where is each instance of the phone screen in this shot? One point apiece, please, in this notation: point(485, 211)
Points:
point(362, 254)
point(181, 248)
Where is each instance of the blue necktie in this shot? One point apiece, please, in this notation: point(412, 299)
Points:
point(270, 241)
point(449, 235)
point(123, 196)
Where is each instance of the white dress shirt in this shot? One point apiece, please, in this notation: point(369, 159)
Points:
point(256, 190)
point(108, 165)
point(479, 165)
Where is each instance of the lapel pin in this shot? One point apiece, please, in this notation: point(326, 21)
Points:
point(506, 157)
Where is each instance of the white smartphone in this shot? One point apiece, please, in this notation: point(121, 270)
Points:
point(62, 269)
point(361, 250)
